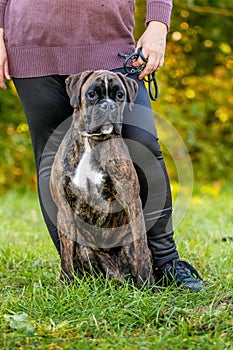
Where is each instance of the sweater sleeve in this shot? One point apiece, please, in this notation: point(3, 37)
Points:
point(159, 10)
point(2, 12)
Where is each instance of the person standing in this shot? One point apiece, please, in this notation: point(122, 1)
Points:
point(41, 43)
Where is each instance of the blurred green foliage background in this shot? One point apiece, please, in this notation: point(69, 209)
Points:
point(195, 95)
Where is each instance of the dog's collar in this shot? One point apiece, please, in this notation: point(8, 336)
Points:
point(87, 134)
point(99, 136)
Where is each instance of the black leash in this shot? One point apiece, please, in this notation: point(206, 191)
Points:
point(151, 78)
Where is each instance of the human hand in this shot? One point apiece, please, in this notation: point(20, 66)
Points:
point(4, 70)
point(153, 44)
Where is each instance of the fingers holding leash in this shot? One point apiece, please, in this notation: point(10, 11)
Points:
point(148, 56)
point(153, 64)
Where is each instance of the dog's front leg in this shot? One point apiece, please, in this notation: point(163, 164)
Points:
point(66, 231)
point(137, 252)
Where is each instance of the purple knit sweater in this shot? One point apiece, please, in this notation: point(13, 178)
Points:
point(45, 37)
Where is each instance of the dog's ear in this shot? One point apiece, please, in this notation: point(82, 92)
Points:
point(73, 86)
point(131, 89)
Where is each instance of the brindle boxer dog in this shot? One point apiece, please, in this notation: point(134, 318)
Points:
point(95, 187)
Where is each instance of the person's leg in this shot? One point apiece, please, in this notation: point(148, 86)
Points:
point(140, 135)
point(46, 105)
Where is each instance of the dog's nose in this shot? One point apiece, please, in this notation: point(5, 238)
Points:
point(107, 105)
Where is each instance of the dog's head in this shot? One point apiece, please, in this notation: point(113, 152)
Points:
point(99, 97)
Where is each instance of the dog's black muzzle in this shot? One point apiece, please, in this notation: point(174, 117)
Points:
point(105, 118)
point(107, 106)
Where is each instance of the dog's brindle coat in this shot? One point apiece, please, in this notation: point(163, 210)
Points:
point(94, 184)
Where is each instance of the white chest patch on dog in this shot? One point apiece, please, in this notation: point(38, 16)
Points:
point(85, 172)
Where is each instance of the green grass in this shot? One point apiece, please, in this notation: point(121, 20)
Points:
point(38, 313)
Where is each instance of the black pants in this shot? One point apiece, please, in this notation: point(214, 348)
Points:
point(48, 112)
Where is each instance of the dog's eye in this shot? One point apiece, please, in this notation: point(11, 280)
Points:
point(120, 96)
point(92, 95)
